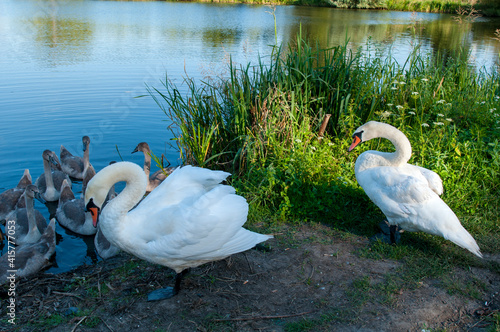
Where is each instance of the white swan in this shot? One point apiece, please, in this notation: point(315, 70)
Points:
point(50, 182)
point(10, 197)
point(29, 223)
point(408, 195)
point(29, 258)
point(189, 220)
point(71, 212)
point(76, 166)
point(157, 177)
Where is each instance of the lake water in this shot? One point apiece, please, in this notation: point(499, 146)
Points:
point(74, 68)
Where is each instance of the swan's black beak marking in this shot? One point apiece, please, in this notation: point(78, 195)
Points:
point(356, 139)
point(53, 161)
point(94, 211)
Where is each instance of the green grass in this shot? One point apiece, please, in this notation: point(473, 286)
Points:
point(262, 123)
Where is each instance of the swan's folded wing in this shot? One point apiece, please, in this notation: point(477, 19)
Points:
point(434, 180)
point(184, 183)
point(395, 192)
point(202, 230)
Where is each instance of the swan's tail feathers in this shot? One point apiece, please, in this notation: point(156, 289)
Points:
point(66, 192)
point(466, 241)
point(244, 240)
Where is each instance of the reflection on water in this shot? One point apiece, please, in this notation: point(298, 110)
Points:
point(74, 67)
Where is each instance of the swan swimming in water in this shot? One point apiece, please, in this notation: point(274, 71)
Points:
point(29, 223)
point(189, 220)
point(30, 258)
point(157, 177)
point(76, 166)
point(50, 182)
point(71, 212)
point(10, 197)
point(408, 195)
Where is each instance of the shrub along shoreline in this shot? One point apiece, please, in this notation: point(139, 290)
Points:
point(262, 123)
point(484, 7)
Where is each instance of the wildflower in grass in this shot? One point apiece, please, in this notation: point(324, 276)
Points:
point(497, 97)
point(298, 140)
point(402, 83)
point(385, 114)
point(442, 101)
point(411, 112)
point(395, 82)
point(440, 115)
point(493, 110)
point(424, 80)
point(438, 124)
point(313, 148)
point(394, 88)
point(399, 107)
point(415, 93)
point(424, 125)
point(449, 120)
point(390, 105)
point(483, 102)
point(449, 104)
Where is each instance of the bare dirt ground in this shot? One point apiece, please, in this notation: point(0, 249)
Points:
point(310, 280)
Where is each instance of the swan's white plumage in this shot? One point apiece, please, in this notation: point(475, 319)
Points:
point(188, 220)
point(408, 195)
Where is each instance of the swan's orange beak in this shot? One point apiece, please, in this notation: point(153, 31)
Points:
point(94, 211)
point(356, 140)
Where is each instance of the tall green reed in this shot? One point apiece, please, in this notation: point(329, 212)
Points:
point(262, 122)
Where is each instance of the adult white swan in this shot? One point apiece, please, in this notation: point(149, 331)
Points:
point(189, 220)
point(408, 195)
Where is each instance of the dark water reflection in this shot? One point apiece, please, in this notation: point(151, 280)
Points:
point(73, 68)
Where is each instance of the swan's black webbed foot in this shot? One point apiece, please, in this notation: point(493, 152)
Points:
point(168, 292)
point(162, 294)
point(390, 234)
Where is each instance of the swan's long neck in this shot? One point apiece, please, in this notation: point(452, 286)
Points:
point(400, 142)
point(86, 158)
point(147, 164)
point(49, 181)
point(30, 213)
point(403, 148)
point(133, 192)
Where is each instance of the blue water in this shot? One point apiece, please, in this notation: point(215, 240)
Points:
point(74, 68)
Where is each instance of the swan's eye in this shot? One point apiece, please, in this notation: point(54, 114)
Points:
point(91, 207)
point(358, 134)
